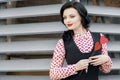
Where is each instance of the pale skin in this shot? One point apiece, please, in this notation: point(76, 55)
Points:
point(72, 20)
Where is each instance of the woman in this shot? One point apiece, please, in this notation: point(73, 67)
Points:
point(85, 52)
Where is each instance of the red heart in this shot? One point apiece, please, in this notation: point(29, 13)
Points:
point(97, 46)
point(103, 39)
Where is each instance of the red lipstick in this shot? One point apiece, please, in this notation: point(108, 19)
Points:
point(69, 25)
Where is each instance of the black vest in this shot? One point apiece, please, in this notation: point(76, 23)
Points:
point(73, 55)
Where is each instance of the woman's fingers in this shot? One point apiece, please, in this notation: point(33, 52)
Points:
point(98, 60)
point(82, 64)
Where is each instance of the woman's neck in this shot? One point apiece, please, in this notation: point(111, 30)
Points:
point(80, 31)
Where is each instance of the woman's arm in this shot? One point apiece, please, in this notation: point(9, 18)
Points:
point(57, 71)
point(106, 67)
point(103, 60)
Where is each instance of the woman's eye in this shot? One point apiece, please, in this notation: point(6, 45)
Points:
point(64, 17)
point(72, 16)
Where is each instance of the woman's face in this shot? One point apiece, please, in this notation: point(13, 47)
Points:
point(72, 19)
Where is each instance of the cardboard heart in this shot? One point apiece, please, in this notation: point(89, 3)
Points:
point(103, 40)
point(97, 46)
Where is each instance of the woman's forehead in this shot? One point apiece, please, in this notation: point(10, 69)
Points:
point(70, 11)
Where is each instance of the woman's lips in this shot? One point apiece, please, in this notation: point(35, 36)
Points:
point(69, 25)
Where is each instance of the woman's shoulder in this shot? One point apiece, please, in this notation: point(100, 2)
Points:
point(60, 42)
point(103, 39)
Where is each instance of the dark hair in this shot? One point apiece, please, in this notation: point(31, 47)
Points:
point(81, 10)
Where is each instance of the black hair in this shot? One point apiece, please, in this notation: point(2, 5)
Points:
point(81, 10)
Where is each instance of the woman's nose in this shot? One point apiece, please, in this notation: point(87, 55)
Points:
point(67, 20)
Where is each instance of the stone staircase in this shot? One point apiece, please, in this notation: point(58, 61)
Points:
point(30, 33)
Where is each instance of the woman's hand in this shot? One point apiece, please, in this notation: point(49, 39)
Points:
point(82, 64)
point(99, 59)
